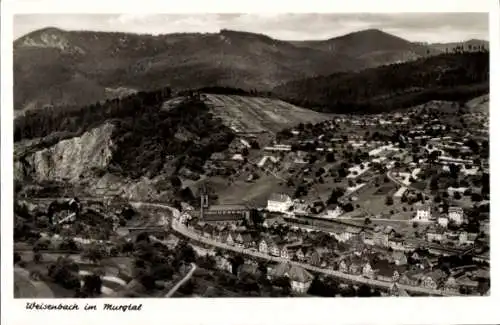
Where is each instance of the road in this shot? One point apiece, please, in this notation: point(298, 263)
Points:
point(399, 183)
point(178, 227)
point(182, 282)
point(29, 288)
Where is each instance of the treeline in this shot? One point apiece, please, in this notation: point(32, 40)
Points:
point(144, 135)
point(52, 120)
point(457, 76)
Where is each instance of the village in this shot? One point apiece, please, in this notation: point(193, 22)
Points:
point(405, 204)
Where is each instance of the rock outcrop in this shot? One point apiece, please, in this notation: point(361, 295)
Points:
point(69, 159)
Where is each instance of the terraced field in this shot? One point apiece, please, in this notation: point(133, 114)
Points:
point(258, 114)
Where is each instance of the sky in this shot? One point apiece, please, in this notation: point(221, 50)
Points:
point(417, 27)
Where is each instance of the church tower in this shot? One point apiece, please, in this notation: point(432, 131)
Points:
point(203, 201)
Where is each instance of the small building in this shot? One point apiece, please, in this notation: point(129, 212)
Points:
point(300, 254)
point(443, 222)
point(300, 279)
point(350, 232)
point(368, 271)
point(343, 266)
point(397, 291)
point(273, 248)
point(263, 248)
point(399, 258)
point(279, 203)
point(456, 214)
point(434, 279)
point(435, 234)
point(423, 213)
point(284, 252)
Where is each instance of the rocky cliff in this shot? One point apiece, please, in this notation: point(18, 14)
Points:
point(70, 159)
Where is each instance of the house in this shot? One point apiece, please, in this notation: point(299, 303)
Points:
point(415, 256)
point(335, 213)
point(355, 268)
point(435, 234)
point(466, 238)
point(349, 233)
point(279, 203)
point(434, 279)
point(244, 240)
point(456, 214)
point(399, 258)
point(284, 252)
point(443, 222)
point(423, 213)
point(397, 244)
point(279, 147)
point(300, 279)
point(368, 271)
point(223, 263)
point(343, 267)
point(263, 248)
point(238, 157)
point(300, 254)
point(381, 236)
point(228, 238)
point(273, 248)
point(410, 278)
point(315, 257)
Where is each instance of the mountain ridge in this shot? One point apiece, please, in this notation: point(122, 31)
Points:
point(73, 68)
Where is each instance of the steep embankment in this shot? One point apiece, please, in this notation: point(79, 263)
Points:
point(69, 159)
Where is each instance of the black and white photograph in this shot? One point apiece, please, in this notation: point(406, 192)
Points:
point(320, 157)
point(244, 155)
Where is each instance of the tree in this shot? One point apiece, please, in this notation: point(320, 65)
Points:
point(17, 257)
point(92, 285)
point(330, 157)
point(434, 184)
point(368, 221)
point(457, 196)
point(389, 200)
point(476, 197)
point(93, 254)
point(37, 257)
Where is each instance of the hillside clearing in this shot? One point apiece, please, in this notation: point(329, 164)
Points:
point(258, 114)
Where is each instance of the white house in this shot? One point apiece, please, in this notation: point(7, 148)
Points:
point(279, 203)
point(456, 214)
point(423, 213)
point(335, 213)
point(443, 222)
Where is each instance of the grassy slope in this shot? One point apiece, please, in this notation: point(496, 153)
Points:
point(257, 114)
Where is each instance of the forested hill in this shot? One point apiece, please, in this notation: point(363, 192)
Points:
point(457, 76)
point(144, 135)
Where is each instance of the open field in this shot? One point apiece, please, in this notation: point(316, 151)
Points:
point(256, 192)
point(373, 201)
point(257, 114)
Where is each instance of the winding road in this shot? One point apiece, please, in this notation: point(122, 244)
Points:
point(183, 230)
